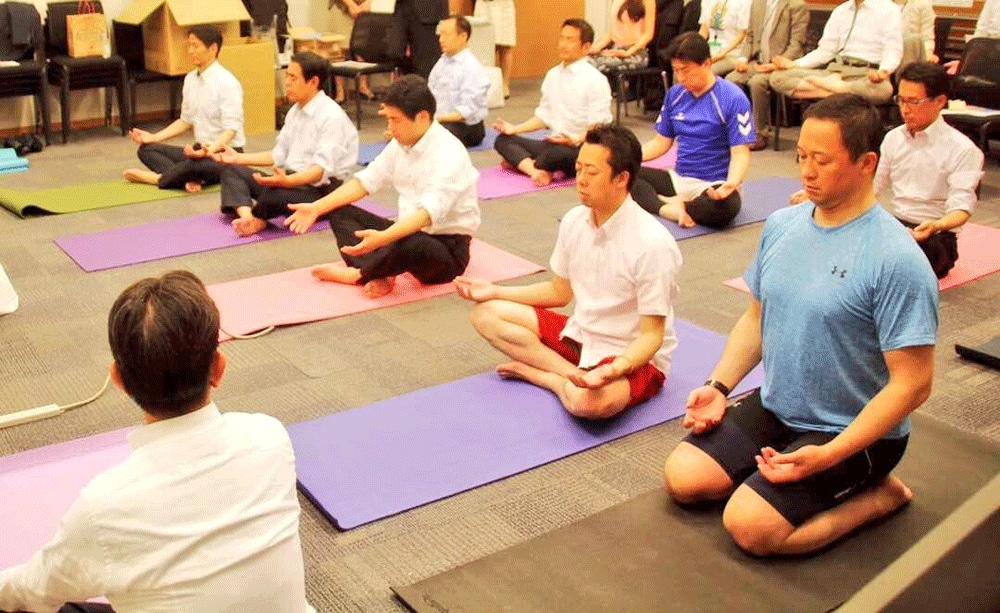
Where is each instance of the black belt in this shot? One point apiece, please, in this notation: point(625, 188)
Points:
point(847, 61)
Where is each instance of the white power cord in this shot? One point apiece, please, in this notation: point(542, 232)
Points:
point(47, 411)
point(244, 337)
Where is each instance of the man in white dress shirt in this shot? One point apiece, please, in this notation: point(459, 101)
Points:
point(314, 153)
point(575, 97)
point(212, 107)
point(620, 265)
point(203, 514)
point(438, 206)
point(459, 83)
point(862, 45)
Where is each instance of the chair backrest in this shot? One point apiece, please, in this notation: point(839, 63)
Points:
point(21, 35)
point(981, 59)
point(128, 43)
point(55, 26)
point(371, 38)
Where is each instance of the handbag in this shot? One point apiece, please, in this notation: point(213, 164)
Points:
point(87, 32)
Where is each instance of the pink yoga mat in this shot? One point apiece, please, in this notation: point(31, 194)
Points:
point(978, 256)
point(295, 297)
point(37, 487)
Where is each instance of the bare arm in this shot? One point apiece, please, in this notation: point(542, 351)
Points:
point(656, 147)
point(739, 162)
point(176, 128)
point(304, 177)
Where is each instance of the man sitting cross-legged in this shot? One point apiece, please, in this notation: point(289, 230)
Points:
point(438, 207)
point(212, 107)
point(620, 265)
point(314, 153)
point(459, 83)
point(575, 96)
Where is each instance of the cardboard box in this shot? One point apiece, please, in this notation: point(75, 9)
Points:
point(253, 63)
point(165, 24)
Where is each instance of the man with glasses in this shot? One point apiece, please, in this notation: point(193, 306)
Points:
point(862, 45)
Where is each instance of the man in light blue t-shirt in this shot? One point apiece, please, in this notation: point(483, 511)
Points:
point(844, 317)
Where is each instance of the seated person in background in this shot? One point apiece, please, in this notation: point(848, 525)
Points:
point(709, 118)
point(861, 47)
point(575, 96)
point(917, 17)
point(438, 206)
point(459, 83)
point(212, 106)
point(633, 23)
point(843, 315)
point(932, 168)
point(777, 27)
point(203, 514)
point(314, 153)
point(724, 23)
point(620, 266)
point(987, 26)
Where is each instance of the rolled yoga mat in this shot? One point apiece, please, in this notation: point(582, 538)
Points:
point(172, 238)
point(649, 554)
point(84, 197)
point(365, 464)
point(978, 256)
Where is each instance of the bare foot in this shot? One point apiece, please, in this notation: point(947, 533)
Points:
point(673, 209)
point(336, 273)
point(831, 83)
point(892, 494)
point(684, 220)
point(247, 226)
point(376, 288)
point(192, 187)
point(506, 165)
point(138, 175)
point(515, 370)
point(541, 178)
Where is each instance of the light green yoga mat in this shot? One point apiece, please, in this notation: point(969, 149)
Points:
point(74, 198)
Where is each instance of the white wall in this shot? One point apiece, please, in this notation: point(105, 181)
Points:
point(597, 12)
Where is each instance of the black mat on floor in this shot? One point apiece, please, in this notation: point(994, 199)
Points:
point(648, 554)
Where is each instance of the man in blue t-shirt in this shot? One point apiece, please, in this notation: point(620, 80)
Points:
point(844, 317)
point(711, 120)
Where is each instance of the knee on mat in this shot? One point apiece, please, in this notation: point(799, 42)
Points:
point(590, 406)
point(682, 478)
point(751, 533)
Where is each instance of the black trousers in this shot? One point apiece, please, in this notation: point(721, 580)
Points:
point(941, 250)
point(704, 209)
point(547, 156)
point(239, 189)
point(85, 607)
point(431, 258)
point(417, 31)
point(469, 135)
point(176, 169)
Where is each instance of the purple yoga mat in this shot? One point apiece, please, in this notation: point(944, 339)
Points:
point(760, 198)
point(37, 487)
point(365, 464)
point(171, 238)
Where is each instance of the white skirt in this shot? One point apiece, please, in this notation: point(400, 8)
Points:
point(501, 15)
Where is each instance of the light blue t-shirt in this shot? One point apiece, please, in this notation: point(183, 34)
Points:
point(706, 127)
point(833, 300)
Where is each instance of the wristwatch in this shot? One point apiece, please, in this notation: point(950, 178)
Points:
point(719, 385)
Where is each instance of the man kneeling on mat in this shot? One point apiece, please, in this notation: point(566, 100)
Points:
point(212, 107)
point(203, 514)
point(438, 206)
point(621, 266)
point(843, 314)
point(314, 153)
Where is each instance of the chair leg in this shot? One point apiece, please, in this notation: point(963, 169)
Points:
point(44, 102)
point(357, 100)
point(107, 106)
point(64, 104)
point(779, 115)
point(124, 108)
point(619, 79)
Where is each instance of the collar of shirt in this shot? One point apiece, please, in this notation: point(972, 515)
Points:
point(458, 57)
point(930, 132)
point(617, 219)
point(310, 107)
point(576, 66)
point(208, 72)
point(425, 141)
point(165, 428)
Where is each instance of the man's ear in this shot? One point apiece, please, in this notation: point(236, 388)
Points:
point(116, 376)
point(218, 369)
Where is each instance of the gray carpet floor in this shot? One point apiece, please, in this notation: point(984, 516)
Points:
point(54, 350)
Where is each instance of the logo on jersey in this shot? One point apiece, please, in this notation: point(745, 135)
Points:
point(745, 125)
point(839, 271)
point(679, 116)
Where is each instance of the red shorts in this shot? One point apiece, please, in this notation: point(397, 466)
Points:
point(644, 382)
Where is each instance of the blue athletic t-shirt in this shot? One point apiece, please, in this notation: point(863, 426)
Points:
point(706, 127)
point(833, 300)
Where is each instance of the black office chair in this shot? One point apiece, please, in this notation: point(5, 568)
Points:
point(129, 45)
point(69, 73)
point(370, 41)
point(29, 77)
point(978, 83)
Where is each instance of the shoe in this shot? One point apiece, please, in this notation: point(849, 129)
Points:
point(760, 143)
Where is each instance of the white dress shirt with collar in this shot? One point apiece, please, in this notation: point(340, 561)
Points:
point(435, 175)
point(574, 98)
point(201, 516)
point(317, 134)
point(988, 24)
point(876, 37)
point(931, 173)
point(212, 102)
point(625, 268)
point(460, 84)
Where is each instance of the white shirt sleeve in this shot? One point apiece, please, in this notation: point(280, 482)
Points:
point(598, 102)
point(187, 107)
point(883, 174)
point(963, 180)
point(231, 106)
point(828, 44)
point(892, 48)
point(655, 275)
point(379, 172)
point(545, 110)
point(448, 181)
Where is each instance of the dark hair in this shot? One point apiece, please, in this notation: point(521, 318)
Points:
point(934, 78)
point(312, 65)
point(860, 124)
point(635, 8)
point(689, 47)
point(462, 25)
point(626, 152)
point(586, 30)
point(208, 35)
point(164, 334)
point(410, 95)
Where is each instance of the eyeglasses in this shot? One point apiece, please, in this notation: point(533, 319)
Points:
point(911, 102)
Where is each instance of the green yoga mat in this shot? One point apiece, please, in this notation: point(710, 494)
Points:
point(85, 197)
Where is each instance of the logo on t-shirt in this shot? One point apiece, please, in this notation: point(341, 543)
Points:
point(745, 126)
point(839, 271)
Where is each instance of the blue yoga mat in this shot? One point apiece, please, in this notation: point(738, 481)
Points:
point(367, 152)
point(760, 198)
point(9, 162)
point(366, 464)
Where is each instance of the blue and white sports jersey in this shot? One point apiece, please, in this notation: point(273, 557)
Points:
point(706, 127)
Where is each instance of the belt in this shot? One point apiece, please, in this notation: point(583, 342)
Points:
point(850, 61)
